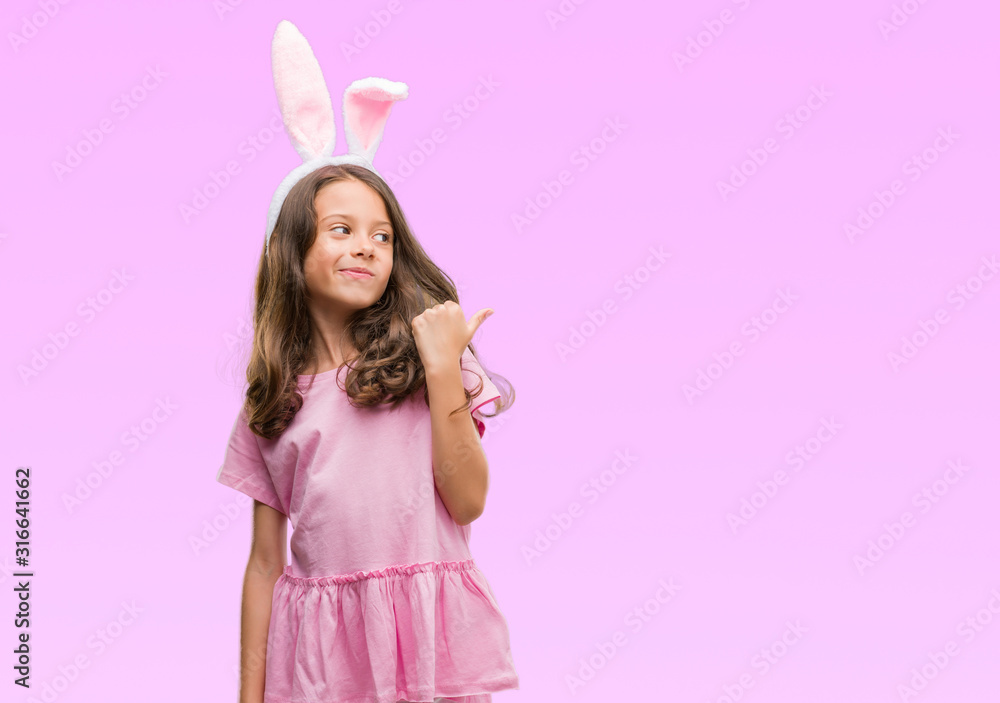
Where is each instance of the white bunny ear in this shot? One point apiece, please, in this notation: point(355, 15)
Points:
point(367, 103)
point(306, 108)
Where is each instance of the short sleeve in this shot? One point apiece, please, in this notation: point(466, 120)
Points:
point(243, 467)
point(472, 372)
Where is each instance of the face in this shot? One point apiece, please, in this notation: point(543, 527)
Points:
point(353, 231)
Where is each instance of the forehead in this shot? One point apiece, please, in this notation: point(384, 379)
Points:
point(351, 199)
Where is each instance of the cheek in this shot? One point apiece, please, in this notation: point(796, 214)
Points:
point(318, 261)
point(309, 267)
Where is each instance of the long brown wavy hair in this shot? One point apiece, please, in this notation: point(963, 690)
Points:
point(387, 368)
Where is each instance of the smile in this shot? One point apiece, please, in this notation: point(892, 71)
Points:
point(356, 274)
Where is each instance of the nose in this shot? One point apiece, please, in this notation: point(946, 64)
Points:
point(364, 246)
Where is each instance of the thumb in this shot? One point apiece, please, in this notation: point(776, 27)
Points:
point(479, 318)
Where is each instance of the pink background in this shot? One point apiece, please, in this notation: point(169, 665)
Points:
point(589, 614)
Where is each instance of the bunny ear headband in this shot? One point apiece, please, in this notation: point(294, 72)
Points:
point(307, 112)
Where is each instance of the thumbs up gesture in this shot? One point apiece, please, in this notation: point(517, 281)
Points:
point(442, 333)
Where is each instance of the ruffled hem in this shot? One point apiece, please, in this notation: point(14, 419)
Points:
point(411, 632)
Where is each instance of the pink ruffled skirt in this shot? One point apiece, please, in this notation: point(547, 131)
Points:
point(415, 632)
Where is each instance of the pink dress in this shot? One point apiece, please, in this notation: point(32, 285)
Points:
point(382, 600)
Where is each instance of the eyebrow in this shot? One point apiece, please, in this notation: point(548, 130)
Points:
point(349, 217)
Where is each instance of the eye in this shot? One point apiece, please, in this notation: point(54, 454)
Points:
point(387, 240)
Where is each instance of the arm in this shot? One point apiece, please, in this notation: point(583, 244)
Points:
point(461, 473)
point(268, 556)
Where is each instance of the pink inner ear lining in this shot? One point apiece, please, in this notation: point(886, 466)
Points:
point(312, 125)
point(368, 117)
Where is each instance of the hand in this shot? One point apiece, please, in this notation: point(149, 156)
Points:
point(441, 333)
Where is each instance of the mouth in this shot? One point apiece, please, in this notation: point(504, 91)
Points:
point(357, 273)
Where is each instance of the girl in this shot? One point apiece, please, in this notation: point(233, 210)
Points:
point(361, 427)
point(355, 427)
